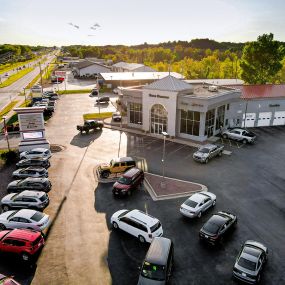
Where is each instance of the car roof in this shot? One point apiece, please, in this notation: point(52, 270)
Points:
point(142, 217)
point(28, 193)
point(131, 172)
point(158, 251)
point(197, 197)
point(123, 159)
point(24, 234)
point(36, 168)
point(218, 219)
point(251, 253)
point(25, 213)
point(36, 179)
point(39, 149)
point(209, 146)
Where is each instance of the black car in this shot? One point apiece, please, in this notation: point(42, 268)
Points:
point(217, 227)
point(37, 184)
point(42, 162)
point(93, 93)
point(104, 99)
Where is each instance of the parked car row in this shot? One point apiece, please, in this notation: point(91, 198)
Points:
point(22, 220)
point(48, 100)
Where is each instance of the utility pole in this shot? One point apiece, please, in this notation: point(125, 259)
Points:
point(41, 76)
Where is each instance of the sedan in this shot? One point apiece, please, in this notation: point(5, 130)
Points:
point(198, 203)
point(31, 171)
point(36, 184)
point(250, 262)
point(217, 227)
point(24, 219)
point(25, 200)
point(38, 161)
point(116, 117)
point(36, 152)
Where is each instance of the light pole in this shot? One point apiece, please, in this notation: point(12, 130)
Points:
point(6, 132)
point(41, 76)
point(97, 84)
point(25, 97)
point(165, 134)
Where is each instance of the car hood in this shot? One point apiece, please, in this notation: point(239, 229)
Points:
point(13, 184)
point(8, 197)
point(118, 213)
point(17, 171)
point(200, 154)
point(118, 185)
point(3, 216)
point(105, 166)
point(146, 281)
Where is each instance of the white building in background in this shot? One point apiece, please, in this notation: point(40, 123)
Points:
point(89, 69)
point(131, 67)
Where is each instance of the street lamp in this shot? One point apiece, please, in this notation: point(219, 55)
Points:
point(25, 97)
point(165, 134)
point(6, 132)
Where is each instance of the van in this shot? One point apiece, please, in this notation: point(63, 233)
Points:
point(157, 265)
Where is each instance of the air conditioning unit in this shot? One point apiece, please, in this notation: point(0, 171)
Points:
point(213, 88)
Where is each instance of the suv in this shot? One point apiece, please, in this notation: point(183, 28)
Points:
point(37, 161)
point(25, 200)
point(26, 243)
point(128, 182)
point(116, 165)
point(240, 135)
point(36, 152)
point(137, 223)
point(36, 184)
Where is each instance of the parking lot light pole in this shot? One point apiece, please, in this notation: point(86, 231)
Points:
point(6, 132)
point(25, 97)
point(162, 184)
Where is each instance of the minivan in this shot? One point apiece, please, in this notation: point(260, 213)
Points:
point(157, 265)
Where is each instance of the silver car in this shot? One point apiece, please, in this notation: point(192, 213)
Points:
point(36, 152)
point(198, 203)
point(25, 200)
point(24, 219)
point(31, 171)
point(208, 151)
point(240, 135)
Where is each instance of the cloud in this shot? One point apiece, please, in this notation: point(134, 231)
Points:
point(2, 20)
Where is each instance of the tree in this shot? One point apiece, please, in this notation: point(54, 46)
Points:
point(261, 60)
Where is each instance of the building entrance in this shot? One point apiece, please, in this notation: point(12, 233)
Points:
point(158, 119)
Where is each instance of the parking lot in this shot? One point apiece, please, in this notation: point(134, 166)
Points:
point(249, 183)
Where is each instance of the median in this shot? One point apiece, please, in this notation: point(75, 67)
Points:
point(97, 116)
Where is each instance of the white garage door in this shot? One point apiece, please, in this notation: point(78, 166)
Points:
point(279, 118)
point(264, 119)
point(249, 121)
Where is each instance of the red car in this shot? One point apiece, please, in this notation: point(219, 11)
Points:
point(22, 242)
point(4, 280)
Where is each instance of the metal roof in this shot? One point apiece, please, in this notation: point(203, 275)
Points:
point(87, 63)
point(128, 66)
point(214, 81)
point(169, 83)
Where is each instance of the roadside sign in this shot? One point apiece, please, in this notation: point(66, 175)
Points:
point(60, 73)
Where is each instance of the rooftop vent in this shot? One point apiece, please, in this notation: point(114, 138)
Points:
point(213, 88)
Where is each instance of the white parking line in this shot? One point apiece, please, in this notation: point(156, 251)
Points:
point(174, 151)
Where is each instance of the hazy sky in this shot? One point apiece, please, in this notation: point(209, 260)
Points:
point(130, 22)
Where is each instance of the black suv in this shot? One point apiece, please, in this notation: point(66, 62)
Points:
point(104, 99)
point(37, 184)
point(42, 162)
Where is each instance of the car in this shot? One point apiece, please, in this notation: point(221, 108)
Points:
point(57, 79)
point(90, 125)
point(208, 151)
point(117, 117)
point(50, 95)
point(24, 219)
point(217, 227)
point(5, 280)
point(128, 182)
point(27, 199)
point(6, 74)
point(137, 223)
point(22, 242)
point(36, 184)
point(250, 262)
point(239, 134)
point(36, 152)
point(94, 93)
point(31, 171)
point(116, 165)
point(117, 90)
point(36, 88)
point(37, 161)
point(197, 204)
point(104, 99)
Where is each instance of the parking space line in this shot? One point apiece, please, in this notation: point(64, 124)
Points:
point(176, 150)
point(149, 143)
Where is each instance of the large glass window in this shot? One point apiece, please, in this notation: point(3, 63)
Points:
point(136, 113)
point(190, 122)
point(220, 117)
point(158, 119)
point(210, 122)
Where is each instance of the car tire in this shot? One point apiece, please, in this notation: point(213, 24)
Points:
point(5, 208)
point(244, 141)
point(199, 215)
point(220, 153)
point(105, 174)
point(214, 203)
point(141, 239)
point(2, 227)
point(225, 136)
point(115, 225)
point(25, 256)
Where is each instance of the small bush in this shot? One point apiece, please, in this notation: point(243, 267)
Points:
point(9, 157)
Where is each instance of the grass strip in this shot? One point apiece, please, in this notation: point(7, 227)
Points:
point(10, 66)
point(8, 108)
point(14, 77)
point(66, 92)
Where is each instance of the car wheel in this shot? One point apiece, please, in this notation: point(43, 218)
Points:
point(2, 227)
point(214, 203)
point(5, 208)
point(105, 174)
point(225, 136)
point(25, 256)
point(199, 215)
point(115, 225)
point(207, 160)
point(220, 153)
point(141, 239)
point(244, 141)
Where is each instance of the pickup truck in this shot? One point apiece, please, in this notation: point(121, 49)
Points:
point(240, 135)
point(208, 151)
point(90, 125)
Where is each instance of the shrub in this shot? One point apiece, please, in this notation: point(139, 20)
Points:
point(9, 157)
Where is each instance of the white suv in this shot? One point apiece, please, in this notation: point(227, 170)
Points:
point(138, 224)
point(36, 152)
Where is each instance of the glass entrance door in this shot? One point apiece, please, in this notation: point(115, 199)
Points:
point(159, 128)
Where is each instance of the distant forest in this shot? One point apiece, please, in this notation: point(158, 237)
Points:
point(199, 58)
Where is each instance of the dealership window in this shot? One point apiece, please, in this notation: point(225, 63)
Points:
point(135, 113)
point(220, 117)
point(210, 122)
point(228, 106)
point(190, 122)
point(158, 119)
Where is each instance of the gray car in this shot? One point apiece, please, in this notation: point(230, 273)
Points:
point(208, 151)
point(31, 171)
point(24, 219)
point(38, 161)
point(250, 262)
point(239, 134)
point(36, 200)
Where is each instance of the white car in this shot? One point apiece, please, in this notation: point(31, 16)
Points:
point(138, 224)
point(36, 152)
point(198, 203)
point(24, 219)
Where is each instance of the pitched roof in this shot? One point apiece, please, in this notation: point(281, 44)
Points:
point(261, 91)
point(169, 83)
point(87, 63)
point(128, 66)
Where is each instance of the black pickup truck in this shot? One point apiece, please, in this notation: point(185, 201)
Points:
point(90, 125)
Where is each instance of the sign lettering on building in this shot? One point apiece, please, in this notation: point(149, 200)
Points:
point(158, 96)
point(197, 105)
point(274, 105)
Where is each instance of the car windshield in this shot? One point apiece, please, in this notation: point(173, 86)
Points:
point(204, 150)
point(37, 216)
point(14, 196)
point(190, 203)
point(211, 227)
point(153, 271)
point(125, 180)
point(155, 227)
point(43, 198)
point(247, 264)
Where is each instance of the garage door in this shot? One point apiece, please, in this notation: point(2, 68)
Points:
point(249, 121)
point(279, 118)
point(264, 119)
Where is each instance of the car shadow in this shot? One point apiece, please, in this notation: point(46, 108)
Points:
point(84, 140)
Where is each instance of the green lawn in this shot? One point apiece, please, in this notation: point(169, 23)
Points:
point(8, 108)
point(9, 66)
point(13, 78)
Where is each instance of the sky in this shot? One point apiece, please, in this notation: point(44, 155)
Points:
point(131, 22)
